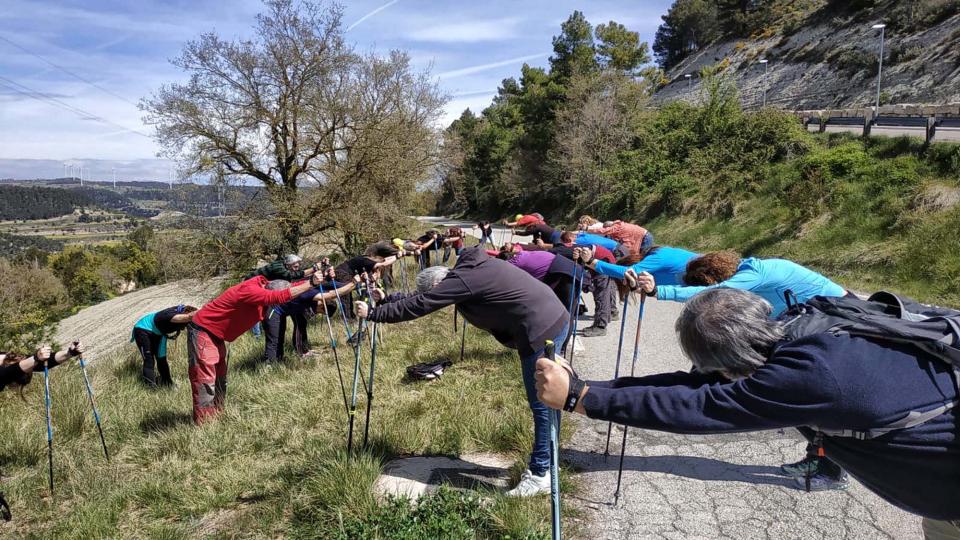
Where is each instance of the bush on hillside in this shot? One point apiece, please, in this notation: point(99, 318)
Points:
point(31, 300)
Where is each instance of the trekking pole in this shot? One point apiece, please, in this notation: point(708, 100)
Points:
point(576, 310)
point(336, 356)
point(373, 365)
point(616, 367)
point(356, 382)
point(46, 393)
point(93, 405)
point(463, 338)
point(633, 365)
point(551, 352)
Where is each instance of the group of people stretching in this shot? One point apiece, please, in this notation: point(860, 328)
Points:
point(880, 409)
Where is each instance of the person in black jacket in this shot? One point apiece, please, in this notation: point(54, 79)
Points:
point(17, 370)
point(748, 378)
point(521, 312)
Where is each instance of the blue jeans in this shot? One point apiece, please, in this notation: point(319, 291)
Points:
point(540, 456)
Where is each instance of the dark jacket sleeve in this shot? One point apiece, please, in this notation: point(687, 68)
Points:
point(450, 290)
point(790, 390)
point(677, 378)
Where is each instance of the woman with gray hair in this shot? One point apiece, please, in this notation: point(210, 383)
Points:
point(521, 312)
point(748, 377)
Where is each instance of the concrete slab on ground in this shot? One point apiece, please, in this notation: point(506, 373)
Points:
point(420, 475)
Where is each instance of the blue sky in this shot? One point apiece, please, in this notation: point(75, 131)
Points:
point(91, 61)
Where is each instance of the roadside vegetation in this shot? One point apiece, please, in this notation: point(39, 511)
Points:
point(274, 465)
point(877, 213)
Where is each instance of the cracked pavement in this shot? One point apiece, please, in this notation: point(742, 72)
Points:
point(698, 486)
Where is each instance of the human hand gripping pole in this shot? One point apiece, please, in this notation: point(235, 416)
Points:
point(551, 352)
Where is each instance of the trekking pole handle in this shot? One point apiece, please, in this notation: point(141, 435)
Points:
point(551, 350)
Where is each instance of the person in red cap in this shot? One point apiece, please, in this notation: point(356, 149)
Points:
point(223, 319)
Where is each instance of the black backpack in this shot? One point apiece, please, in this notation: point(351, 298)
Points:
point(887, 318)
point(428, 371)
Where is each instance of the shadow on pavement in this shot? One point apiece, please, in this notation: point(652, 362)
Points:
point(697, 468)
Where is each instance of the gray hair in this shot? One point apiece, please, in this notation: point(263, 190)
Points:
point(291, 259)
point(429, 277)
point(728, 330)
point(278, 285)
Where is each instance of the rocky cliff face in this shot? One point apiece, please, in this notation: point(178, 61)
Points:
point(831, 62)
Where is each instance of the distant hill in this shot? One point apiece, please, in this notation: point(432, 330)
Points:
point(821, 54)
point(30, 202)
point(138, 199)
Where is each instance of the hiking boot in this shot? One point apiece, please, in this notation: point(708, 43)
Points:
point(800, 469)
point(530, 485)
point(822, 482)
point(594, 331)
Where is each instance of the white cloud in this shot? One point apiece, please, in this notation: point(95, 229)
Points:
point(483, 67)
point(467, 32)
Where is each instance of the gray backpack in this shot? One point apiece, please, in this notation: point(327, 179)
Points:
point(887, 318)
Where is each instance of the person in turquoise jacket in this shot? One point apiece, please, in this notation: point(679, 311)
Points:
point(772, 279)
point(151, 334)
point(666, 264)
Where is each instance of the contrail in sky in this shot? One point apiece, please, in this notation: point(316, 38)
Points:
point(371, 14)
point(483, 67)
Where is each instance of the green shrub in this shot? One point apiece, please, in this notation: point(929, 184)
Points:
point(31, 300)
point(945, 159)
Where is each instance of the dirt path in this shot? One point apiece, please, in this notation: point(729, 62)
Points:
point(686, 486)
point(107, 325)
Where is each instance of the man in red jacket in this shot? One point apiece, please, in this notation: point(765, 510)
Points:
point(223, 319)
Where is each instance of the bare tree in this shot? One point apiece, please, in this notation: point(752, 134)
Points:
point(328, 132)
point(596, 124)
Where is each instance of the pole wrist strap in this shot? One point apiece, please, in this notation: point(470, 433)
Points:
point(573, 392)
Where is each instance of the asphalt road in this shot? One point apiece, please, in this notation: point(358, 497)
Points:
point(685, 486)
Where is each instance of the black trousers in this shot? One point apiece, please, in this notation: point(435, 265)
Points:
point(274, 330)
point(300, 343)
point(149, 345)
point(603, 301)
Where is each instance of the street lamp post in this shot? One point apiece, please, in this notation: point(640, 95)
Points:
point(765, 63)
point(880, 27)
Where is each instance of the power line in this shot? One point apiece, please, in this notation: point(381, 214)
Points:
point(40, 96)
point(68, 72)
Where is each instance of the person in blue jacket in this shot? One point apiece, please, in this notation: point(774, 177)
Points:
point(308, 302)
point(748, 377)
point(151, 334)
point(666, 264)
point(773, 279)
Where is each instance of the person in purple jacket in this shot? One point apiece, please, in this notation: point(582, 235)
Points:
point(555, 270)
point(830, 387)
point(517, 310)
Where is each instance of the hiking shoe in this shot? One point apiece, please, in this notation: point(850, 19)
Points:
point(800, 469)
point(594, 331)
point(530, 485)
point(822, 482)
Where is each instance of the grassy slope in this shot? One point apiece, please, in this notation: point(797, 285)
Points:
point(868, 233)
point(274, 464)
